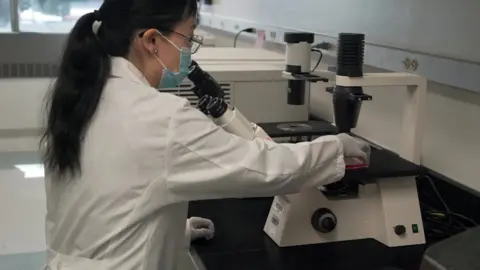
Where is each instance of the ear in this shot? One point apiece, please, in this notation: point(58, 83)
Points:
point(150, 40)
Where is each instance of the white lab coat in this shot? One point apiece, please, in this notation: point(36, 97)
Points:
point(145, 155)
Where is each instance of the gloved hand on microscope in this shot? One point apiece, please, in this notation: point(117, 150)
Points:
point(356, 152)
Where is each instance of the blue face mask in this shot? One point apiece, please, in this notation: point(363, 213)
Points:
point(171, 79)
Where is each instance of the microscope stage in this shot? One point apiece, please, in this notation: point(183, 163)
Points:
point(386, 164)
point(306, 128)
point(383, 163)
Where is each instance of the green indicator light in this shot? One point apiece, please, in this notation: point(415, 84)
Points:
point(415, 228)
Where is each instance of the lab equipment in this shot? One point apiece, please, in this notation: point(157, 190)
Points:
point(250, 81)
point(232, 120)
point(297, 66)
point(229, 55)
point(386, 209)
point(212, 102)
point(347, 100)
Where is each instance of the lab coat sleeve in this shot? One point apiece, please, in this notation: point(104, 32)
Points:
point(206, 162)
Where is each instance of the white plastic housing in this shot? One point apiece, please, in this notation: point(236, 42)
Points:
point(234, 122)
point(299, 54)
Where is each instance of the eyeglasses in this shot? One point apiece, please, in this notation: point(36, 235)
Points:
point(194, 42)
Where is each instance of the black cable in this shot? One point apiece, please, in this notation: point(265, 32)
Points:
point(474, 223)
point(319, 59)
point(434, 212)
point(246, 30)
point(441, 224)
point(440, 198)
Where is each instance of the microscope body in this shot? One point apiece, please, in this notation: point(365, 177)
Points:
point(385, 209)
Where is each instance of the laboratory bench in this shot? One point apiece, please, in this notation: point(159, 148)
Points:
point(240, 242)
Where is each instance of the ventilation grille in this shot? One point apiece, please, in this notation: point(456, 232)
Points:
point(28, 70)
point(49, 70)
point(185, 90)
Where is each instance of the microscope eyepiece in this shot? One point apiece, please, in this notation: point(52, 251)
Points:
point(204, 83)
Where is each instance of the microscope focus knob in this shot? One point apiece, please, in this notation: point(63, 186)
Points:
point(400, 230)
point(324, 220)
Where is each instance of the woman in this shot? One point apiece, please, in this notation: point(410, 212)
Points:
point(123, 160)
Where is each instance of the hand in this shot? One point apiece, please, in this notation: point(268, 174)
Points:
point(200, 228)
point(354, 148)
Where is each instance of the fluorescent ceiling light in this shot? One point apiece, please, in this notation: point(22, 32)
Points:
point(32, 170)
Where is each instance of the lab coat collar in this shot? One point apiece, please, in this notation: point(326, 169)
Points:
point(123, 68)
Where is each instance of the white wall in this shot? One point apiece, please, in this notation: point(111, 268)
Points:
point(442, 27)
point(20, 97)
point(21, 103)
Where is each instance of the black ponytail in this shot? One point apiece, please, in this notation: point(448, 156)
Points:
point(74, 97)
point(85, 68)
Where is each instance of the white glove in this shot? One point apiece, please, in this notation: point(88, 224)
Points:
point(199, 228)
point(354, 148)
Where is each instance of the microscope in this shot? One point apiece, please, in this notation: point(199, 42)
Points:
point(376, 200)
point(212, 103)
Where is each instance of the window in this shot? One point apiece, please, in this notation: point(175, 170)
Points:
point(53, 15)
point(47, 16)
point(5, 16)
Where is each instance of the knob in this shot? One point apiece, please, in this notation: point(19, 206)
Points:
point(324, 221)
point(329, 224)
point(400, 230)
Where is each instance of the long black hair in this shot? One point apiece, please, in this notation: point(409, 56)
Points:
point(85, 68)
